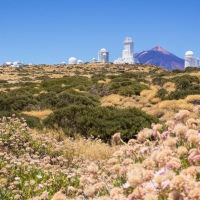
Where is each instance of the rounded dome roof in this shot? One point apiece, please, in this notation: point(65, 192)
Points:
point(189, 53)
point(72, 59)
point(79, 61)
point(16, 63)
point(103, 50)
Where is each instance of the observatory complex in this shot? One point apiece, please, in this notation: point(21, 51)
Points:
point(103, 56)
point(16, 64)
point(73, 61)
point(190, 60)
point(127, 54)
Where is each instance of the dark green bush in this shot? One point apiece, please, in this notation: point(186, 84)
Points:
point(65, 83)
point(191, 69)
point(177, 71)
point(126, 87)
point(100, 122)
point(3, 81)
point(53, 100)
point(161, 93)
point(77, 98)
point(190, 78)
point(33, 122)
point(159, 81)
point(15, 101)
point(182, 84)
point(181, 94)
point(131, 75)
point(98, 76)
point(100, 89)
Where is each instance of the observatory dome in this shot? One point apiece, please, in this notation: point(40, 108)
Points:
point(72, 60)
point(103, 50)
point(16, 63)
point(79, 62)
point(189, 53)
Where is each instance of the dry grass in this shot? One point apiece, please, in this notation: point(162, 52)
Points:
point(121, 101)
point(149, 94)
point(93, 149)
point(113, 99)
point(40, 114)
point(169, 86)
point(192, 98)
point(155, 100)
point(195, 74)
point(175, 105)
point(104, 81)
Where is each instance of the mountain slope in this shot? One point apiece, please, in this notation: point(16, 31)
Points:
point(160, 57)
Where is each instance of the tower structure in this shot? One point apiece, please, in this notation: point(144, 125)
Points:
point(103, 56)
point(190, 60)
point(127, 53)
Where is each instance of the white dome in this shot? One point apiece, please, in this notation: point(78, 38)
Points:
point(16, 63)
point(103, 50)
point(79, 61)
point(72, 60)
point(189, 53)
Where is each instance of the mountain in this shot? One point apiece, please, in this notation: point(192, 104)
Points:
point(160, 57)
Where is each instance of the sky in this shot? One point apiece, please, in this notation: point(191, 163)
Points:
point(52, 31)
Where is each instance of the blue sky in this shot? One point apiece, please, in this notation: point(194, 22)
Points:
point(51, 31)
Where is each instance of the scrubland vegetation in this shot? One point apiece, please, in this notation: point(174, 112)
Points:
point(162, 162)
point(99, 132)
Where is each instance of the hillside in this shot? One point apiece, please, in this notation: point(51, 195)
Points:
point(160, 163)
point(99, 131)
point(146, 87)
point(160, 57)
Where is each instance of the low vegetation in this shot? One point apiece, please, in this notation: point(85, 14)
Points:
point(99, 132)
point(162, 162)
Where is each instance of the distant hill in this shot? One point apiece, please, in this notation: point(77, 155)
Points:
point(160, 57)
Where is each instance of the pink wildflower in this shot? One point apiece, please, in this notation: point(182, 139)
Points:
point(116, 137)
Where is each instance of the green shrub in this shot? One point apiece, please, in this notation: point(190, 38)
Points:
point(3, 81)
point(126, 87)
point(182, 84)
point(159, 81)
point(33, 122)
point(69, 82)
point(161, 93)
point(100, 89)
point(191, 69)
point(98, 76)
point(53, 100)
point(177, 71)
point(16, 101)
point(100, 122)
point(181, 94)
point(77, 98)
point(190, 78)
